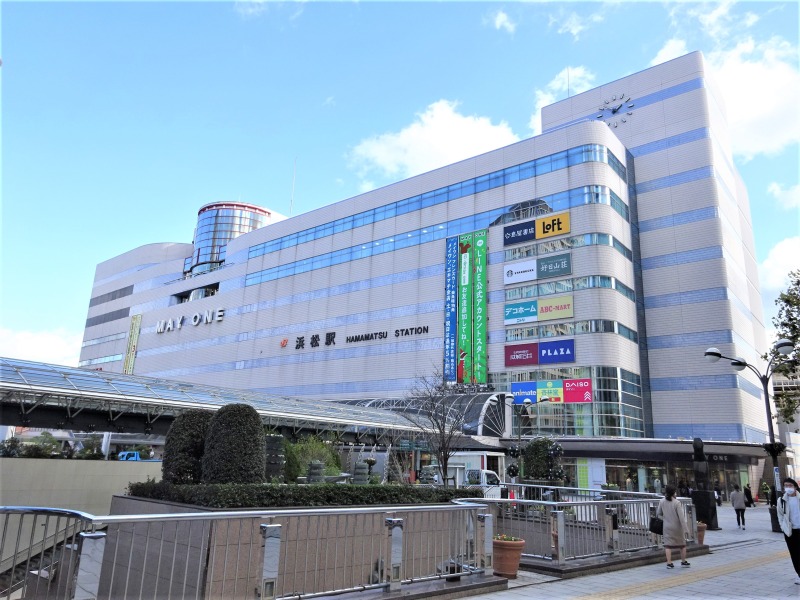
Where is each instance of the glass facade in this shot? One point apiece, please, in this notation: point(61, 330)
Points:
point(217, 224)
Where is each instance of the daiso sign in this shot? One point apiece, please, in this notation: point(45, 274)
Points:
point(577, 390)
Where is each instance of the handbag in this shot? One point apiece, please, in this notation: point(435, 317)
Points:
point(656, 525)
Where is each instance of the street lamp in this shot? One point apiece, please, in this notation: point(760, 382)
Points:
point(783, 347)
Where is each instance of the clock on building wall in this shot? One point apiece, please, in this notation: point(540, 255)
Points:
point(616, 110)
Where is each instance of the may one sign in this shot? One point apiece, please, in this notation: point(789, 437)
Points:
point(208, 316)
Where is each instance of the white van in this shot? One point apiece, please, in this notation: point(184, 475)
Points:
point(488, 481)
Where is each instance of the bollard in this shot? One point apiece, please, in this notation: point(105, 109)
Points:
point(90, 559)
point(271, 534)
point(394, 529)
point(486, 531)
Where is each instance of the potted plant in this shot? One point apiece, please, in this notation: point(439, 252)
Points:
point(507, 552)
point(701, 531)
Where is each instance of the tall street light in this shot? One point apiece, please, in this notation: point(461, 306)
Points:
point(783, 347)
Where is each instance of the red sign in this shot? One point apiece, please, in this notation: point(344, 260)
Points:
point(577, 390)
point(522, 355)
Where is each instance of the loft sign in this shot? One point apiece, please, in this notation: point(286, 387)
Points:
point(205, 317)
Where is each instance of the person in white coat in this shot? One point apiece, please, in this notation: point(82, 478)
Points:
point(788, 509)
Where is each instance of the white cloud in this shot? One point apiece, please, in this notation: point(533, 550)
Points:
point(782, 258)
point(250, 8)
point(787, 198)
point(573, 23)
point(438, 136)
point(58, 347)
point(502, 21)
point(572, 80)
point(716, 22)
point(672, 49)
point(760, 85)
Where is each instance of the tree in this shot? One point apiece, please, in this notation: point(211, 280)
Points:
point(307, 449)
point(235, 451)
point(430, 408)
point(787, 325)
point(184, 447)
point(92, 448)
point(542, 459)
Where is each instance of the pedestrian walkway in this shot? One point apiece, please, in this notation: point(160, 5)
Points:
point(753, 563)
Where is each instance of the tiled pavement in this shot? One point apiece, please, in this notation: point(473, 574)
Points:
point(750, 564)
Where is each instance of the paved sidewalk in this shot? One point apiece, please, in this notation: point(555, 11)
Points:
point(748, 564)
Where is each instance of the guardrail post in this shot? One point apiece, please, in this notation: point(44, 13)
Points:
point(558, 529)
point(690, 518)
point(611, 520)
point(394, 528)
point(271, 535)
point(91, 547)
point(486, 533)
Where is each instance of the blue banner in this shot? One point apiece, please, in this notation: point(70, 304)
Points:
point(524, 390)
point(561, 351)
point(450, 308)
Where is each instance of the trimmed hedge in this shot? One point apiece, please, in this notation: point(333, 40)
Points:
point(235, 446)
point(184, 446)
point(254, 496)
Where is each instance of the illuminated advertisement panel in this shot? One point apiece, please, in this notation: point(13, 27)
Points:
point(517, 233)
point(519, 271)
point(561, 351)
point(552, 225)
point(520, 312)
point(577, 390)
point(480, 361)
point(524, 390)
point(465, 357)
point(450, 308)
point(522, 355)
point(550, 390)
point(554, 266)
point(555, 307)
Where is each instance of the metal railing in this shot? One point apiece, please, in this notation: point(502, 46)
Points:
point(60, 554)
point(561, 524)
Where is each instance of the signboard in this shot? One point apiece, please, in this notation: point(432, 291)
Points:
point(555, 307)
point(577, 390)
point(561, 351)
point(480, 366)
point(521, 312)
point(450, 308)
point(465, 350)
point(525, 390)
point(520, 271)
point(553, 266)
point(522, 355)
point(552, 225)
point(550, 390)
point(518, 233)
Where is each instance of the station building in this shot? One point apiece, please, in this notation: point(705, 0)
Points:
point(584, 270)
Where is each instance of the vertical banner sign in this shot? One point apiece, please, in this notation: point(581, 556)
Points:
point(450, 308)
point(464, 372)
point(481, 359)
point(133, 341)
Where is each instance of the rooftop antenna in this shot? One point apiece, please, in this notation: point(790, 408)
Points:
point(294, 174)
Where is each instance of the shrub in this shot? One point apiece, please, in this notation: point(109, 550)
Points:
point(235, 448)
point(10, 448)
point(230, 495)
point(542, 459)
point(184, 446)
point(302, 452)
point(92, 448)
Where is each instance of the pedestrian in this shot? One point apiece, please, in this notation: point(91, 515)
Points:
point(717, 494)
point(738, 502)
point(788, 509)
point(748, 496)
point(675, 527)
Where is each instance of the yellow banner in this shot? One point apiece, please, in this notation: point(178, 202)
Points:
point(552, 225)
point(557, 307)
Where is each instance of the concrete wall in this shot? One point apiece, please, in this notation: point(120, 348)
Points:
point(85, 485)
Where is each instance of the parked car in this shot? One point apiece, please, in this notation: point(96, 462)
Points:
point(134, 455)
point(487, 480)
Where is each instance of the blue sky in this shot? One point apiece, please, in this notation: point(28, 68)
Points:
point(120, 120)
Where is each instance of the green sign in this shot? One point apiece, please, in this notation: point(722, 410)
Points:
point(465, 357)
point(553, 266)
point(480, 362)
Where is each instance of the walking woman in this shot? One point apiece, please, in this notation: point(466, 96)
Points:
point(739, 505)
point(675, 528)
point(789, 517)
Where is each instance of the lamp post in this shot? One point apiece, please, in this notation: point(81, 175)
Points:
point(783, 347)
